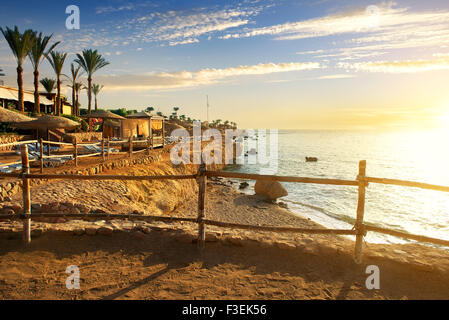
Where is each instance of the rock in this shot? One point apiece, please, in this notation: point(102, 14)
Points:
point(91, 231)
point(78, 232)
point(105, 231)
point(139, 235)
point(270, 189)
point(286, 245)
point(282, 205)
point(243, 185)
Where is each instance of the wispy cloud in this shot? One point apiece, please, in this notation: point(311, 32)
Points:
point(337, 76)
point(375, 30)
point(359, 20)
point(172, 80)
point(407, 66)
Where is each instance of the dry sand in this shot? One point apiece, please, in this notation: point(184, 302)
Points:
point(234, 264)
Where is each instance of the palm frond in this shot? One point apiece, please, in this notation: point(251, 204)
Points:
point(20, 43)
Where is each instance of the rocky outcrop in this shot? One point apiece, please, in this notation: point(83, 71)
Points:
point(271, 190)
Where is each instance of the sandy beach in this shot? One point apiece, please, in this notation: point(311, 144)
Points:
point(139, 260)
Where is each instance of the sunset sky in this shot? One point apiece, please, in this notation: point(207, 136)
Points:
point(285, 64)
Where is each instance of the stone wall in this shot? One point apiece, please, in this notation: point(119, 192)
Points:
point(9, 138)
point(10, 187)
point(83, 136)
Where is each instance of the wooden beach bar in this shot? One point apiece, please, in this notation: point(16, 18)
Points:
point(140, 127)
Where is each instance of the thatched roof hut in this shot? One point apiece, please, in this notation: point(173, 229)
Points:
point(13, 116)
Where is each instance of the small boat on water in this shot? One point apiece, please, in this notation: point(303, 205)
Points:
point(311, 159)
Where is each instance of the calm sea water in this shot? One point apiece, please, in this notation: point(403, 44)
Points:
point(415, 156)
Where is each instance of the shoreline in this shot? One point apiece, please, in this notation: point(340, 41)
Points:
point(235, 264)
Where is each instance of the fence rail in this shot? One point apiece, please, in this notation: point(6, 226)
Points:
point(104, 143)
point(359, 230)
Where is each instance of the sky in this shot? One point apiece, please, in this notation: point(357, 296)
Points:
point(287, 64)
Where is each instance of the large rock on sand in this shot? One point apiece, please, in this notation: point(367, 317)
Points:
point(270, 189)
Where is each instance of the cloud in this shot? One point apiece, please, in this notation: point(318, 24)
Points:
point(337, 76)
point(407, 66)
point(359, 20)
point(187, 41)
point(180, 79)
point(375, 30)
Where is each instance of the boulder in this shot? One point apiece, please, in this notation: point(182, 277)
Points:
point(270, 189)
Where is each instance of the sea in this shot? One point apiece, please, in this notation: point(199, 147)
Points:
point(421, 156)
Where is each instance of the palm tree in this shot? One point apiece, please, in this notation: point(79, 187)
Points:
point(96, 88)
point(78, 86)
point(48, 84)
point(74, 74)
point(57, 60)
point(175, 113)
point(91, 61)
point(36, 54)
point(20, 44)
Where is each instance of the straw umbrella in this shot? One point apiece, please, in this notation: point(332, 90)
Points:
point(46, 123)
point(12, 117)
point(104, 115)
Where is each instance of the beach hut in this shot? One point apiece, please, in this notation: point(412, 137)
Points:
point(104, 115)
point(140, 126)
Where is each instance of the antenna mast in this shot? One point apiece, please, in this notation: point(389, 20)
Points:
point(207, 97)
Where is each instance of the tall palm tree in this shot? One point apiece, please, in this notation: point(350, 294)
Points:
point(37, 52)
point(74, 75)
point(20, 44)
point(96, 88)
point(78, 87)
point(91, 61)
point(57, 60)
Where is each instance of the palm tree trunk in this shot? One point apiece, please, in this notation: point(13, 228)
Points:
point(89, 93)
point(74, 100)
point(96, 109)
point(37, 105)
point(20, 86)
point(76, 103)
point(58, 99)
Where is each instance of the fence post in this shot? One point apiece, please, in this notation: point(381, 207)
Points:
point(102, 149)
point(26, 196)
point(76, 152)
point(109, 147)
point(360, 213)
point(130, 146)
point(148, 145)
point(202, 182)
point(41, 143)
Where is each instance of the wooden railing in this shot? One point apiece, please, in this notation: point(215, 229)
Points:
point(359, 230)
point(104, 144)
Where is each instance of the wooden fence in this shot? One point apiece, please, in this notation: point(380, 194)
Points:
point(104, 144)
point(359, 230)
